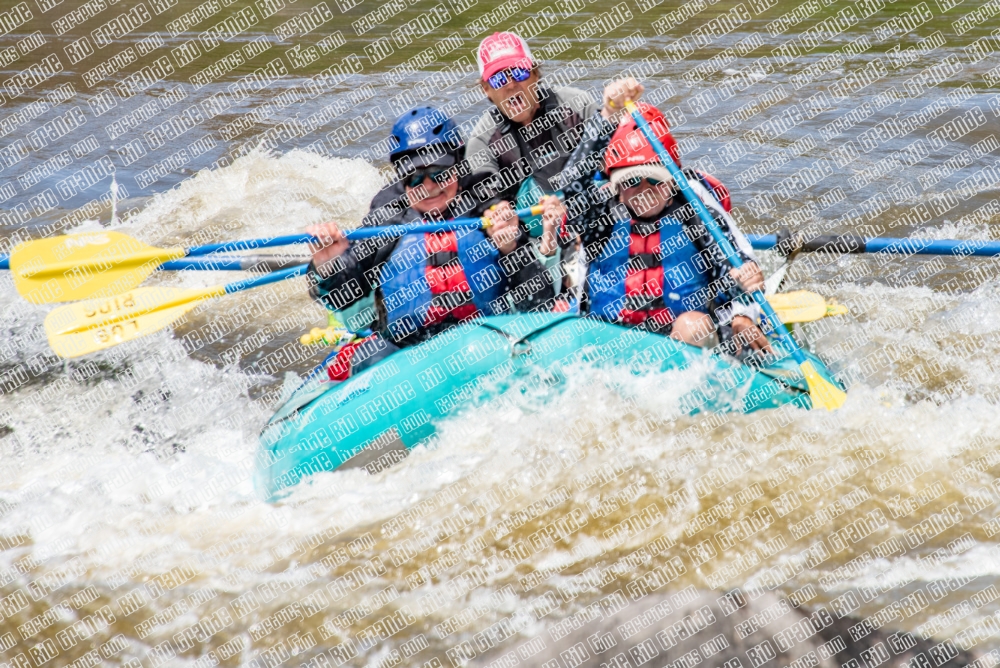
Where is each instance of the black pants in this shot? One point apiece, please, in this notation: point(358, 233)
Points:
point(372, 350)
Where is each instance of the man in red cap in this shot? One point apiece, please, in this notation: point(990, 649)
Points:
point(531, 129)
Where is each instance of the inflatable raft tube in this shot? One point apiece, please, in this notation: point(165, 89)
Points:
point(373, 419)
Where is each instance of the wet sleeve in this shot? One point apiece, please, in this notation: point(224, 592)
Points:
point(736, 238)
point(345, 279)
point(731, 300)
point(594, 221)
point(726, 230)
point(588, 203)
point(587, 158)
point(481, 159)
point(746, 257)
point(740, 301)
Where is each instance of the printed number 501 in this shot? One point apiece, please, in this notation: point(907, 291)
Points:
point(116, 331)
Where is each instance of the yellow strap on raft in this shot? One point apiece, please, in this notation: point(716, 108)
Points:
point(334, 334)
point(327, 336)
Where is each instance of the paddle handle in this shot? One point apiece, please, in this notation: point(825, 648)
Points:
point(713, 228)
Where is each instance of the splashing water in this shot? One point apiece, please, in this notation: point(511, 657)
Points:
point(127, 506)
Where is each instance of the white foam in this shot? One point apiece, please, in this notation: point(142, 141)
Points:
point(166, 474)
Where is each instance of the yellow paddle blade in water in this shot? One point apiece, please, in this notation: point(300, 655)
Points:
point(97, 324)
point(822, 392)
point(70, 267)
point(803, 306)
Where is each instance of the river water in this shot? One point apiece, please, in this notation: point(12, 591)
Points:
point(130, 529)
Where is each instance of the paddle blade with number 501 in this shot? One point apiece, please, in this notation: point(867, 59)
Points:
point(97, 324)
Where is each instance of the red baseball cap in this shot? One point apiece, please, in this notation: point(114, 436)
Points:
point(500, 51)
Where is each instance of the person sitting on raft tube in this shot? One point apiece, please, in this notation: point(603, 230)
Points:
point(531, 129)
point(652, 262)
point(427, 283)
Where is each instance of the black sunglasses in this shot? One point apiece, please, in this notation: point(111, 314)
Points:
point(499, 80)
point(438, 175)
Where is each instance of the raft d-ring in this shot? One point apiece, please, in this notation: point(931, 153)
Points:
point(520, 347)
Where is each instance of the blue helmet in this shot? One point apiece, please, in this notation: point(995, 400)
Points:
point(422, 127)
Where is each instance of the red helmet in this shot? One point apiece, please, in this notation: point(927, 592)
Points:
point(629, 147)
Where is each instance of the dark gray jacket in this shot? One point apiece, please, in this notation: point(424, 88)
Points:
point(508, 152)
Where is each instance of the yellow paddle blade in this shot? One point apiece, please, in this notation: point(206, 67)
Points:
point(822, 392)
point(97, 324)
point(833, 308)
point(799, 306)
point(70, 267)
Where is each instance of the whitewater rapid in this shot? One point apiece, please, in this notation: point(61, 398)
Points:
point(127, 484)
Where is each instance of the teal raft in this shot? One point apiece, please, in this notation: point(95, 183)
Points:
point(373, 419)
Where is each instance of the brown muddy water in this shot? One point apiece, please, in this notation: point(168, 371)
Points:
point(131, 533)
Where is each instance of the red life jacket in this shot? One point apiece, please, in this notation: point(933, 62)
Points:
point(644, 279)
point(450, 291)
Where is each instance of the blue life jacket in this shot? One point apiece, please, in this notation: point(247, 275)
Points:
point(684, 276)
point(406, 291)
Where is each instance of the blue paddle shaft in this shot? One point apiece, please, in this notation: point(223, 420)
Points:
point(233, 263)
point(904, 246)
point(387, 231)
point(198, 264)
point(274, 277)
point(717, 234)
point(895, 246)
point(251, 244)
